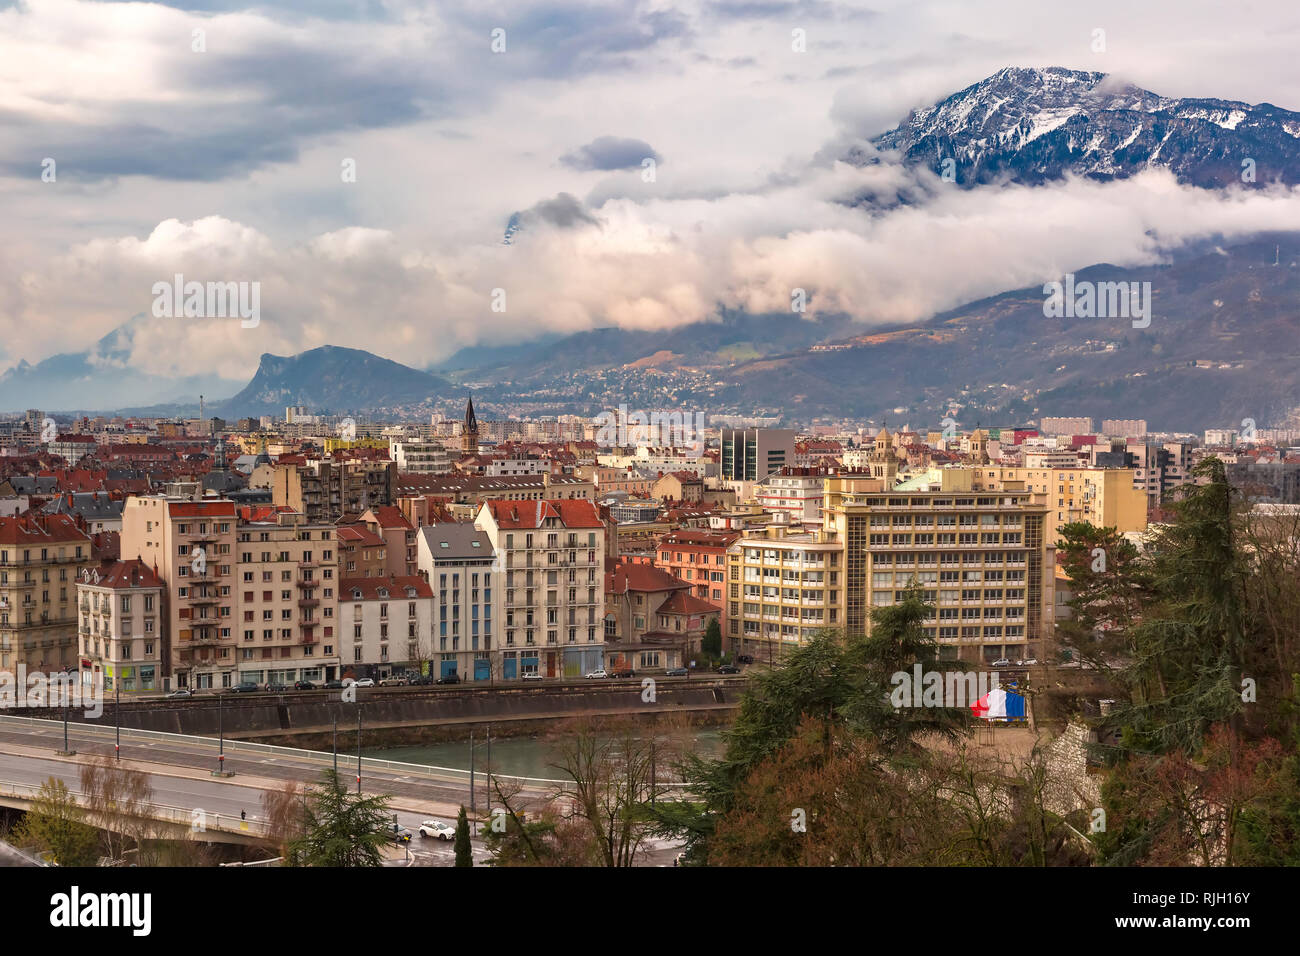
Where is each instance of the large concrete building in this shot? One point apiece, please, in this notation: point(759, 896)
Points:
point(980, 557)
point(751, 454)
point(386, 626)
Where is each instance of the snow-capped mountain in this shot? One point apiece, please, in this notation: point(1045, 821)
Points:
point(1034, 125)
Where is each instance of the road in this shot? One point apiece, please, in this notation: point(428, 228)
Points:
point(179, 771)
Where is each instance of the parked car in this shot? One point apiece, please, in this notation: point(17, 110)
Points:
point(276, 688)
point(622, 672)
point(392, 680)
point(421, 680)
point(1001, 662)
point(303, 685)
point(597, 674)
point(334, 685)
point(399, 834)
point(364, 682)
point(744, 659)
point(438, 830)
point(675, 672)
point(245, 687)
point(182, 692)
point(728, 669)
point(533, 675)
point(452, 678)
point(1030, 661)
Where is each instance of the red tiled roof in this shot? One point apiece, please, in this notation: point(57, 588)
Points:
point(360, 534)
point(531, 514)
point(641, 577)
point(121, 574)
point(684, 602)
point(390, 516)
point(201, 509)
point(40, 530)
point(396, 585)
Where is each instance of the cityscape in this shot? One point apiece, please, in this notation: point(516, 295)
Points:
point(649, 434)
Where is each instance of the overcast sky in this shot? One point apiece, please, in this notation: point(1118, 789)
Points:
point(226, 164)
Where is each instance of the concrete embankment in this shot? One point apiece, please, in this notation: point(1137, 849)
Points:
point(393, 716)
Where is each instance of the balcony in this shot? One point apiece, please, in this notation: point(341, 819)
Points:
point(308, 583)
point(201, 599)
point(309, 564)
point(308, 602)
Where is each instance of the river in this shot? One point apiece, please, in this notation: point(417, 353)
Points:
point(514, 756)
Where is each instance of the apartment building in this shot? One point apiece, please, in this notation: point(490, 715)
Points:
point(1105, 497)
point(981, 557)
point(40, 558)
point(387, 626)
point(326, 489)
point(1159, 469)
point(699, 558)
point(1123, 427)
point(120, 628)
point(459, 562)
point(797, 496)
point(420, 457)
point(552, 555)
point(1065, 426)
point(191, 544)
point(287, 579)
point(783, 585)
point(652, 620)
point(362, 553)
point(751, 454)
point(399, 538)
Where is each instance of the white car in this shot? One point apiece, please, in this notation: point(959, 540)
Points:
point(597, 675)
point(364, 682)
point(437, 829)
point(1001, 663)
point(533, 675)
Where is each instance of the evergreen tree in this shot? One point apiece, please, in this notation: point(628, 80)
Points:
point(341, 828)
point(464, 855)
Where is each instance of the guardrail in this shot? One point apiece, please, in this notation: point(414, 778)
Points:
point(184, 816)
point(246, 747)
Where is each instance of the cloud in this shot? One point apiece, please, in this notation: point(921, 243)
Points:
point(611, 152)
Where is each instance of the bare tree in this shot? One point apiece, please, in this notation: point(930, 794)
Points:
point(285, 812)
point(119, 800)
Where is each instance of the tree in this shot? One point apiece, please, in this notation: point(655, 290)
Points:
point(120, 800)
point(55, 823)
point(341, 828)
point(711, 643)
point(1108, 584)
point(285, 814)
point(612, 767)
point(464, 854)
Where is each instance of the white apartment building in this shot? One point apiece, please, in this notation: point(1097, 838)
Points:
point(798, 497)
point(458, 561)
point(387, 625)
point(420, 457)
point(120, 626)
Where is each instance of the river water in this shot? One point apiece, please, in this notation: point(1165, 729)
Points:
point(515, 756)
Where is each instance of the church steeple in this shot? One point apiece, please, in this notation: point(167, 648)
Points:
point(469, 433)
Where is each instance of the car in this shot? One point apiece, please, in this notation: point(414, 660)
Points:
point(245, 687)
point(182, 692)
point(303, 685)
point(676, 672)
point(728, 669)
point(1002, 662)
point(392, 680)
point(1030, 662)
point(438, 830)
point(452, 678)
point(597, 674)
point(276, 688)
point(399, 834)
point(744, 659)
point(364, 682)
point(533, 675)
point(625, 672)
point(334, 685)
point(680, 859)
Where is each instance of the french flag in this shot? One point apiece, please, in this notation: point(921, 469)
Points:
point(992, 705)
